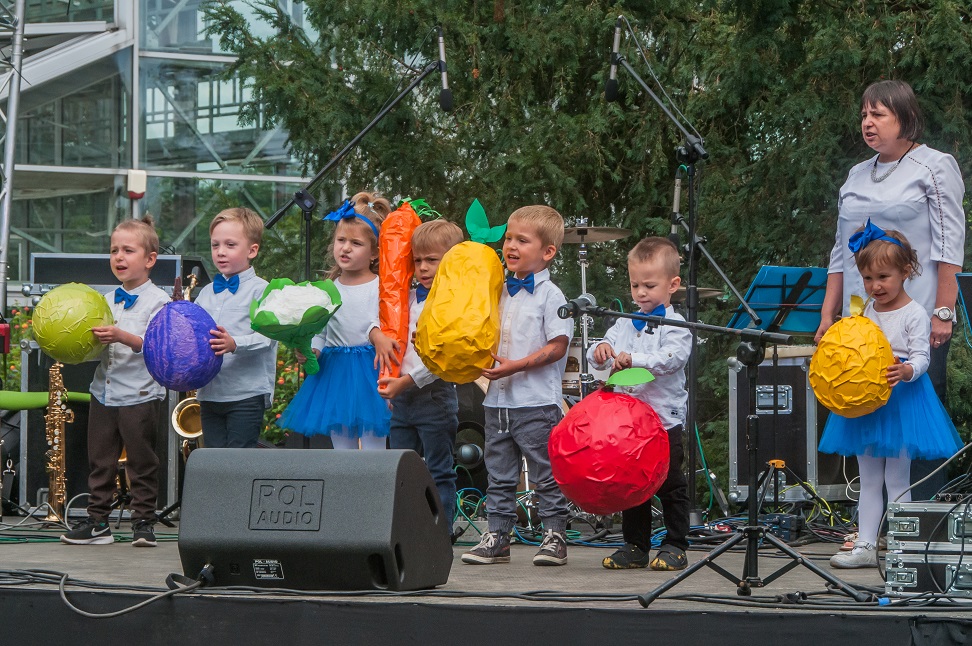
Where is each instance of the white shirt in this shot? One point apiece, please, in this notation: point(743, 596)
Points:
point(922, 199)
point(908, 329)
point(527, 323)
point(121, 379)
point(411, 363)
point(354, 320)
point(665, 353)
point(251, 369)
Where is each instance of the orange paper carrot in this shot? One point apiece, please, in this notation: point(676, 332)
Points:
point(395, 271)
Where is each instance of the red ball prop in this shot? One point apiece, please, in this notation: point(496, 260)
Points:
point(609, 453)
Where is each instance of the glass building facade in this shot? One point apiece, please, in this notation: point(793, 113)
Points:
point(114, 85)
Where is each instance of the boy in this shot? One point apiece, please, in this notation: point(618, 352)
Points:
point(125, 400)
point(653, 267)
point(525, 393)
point(425, 409)
point(232, 405)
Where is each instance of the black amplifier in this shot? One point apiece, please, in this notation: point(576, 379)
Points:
point(933, 527)
point(912, 574)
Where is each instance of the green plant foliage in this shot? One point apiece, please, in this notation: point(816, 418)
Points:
point(773, 86)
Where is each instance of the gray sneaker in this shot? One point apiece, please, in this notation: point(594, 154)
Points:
point(863, 555)
point(553, 549)
point(494, 547)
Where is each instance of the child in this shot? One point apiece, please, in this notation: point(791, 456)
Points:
point(231, 406)
point(425, 409)
point(653, 272)
point(341, 400)
point(525, 393)
point(913, 424)
point(125, 400)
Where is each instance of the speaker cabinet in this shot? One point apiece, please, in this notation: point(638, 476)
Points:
point(789, 431)
point(314, 520)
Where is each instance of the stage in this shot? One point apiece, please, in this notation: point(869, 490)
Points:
point(480, 604)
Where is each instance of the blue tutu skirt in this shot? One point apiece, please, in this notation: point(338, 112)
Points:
point(913, 421)
point(340, 400)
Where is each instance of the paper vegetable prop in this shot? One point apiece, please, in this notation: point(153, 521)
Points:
point(610, 452)
point(294, 313)
point(176, 347)
point(459, 327)
point(63, 320)
point(848, 370)
point(395, 270)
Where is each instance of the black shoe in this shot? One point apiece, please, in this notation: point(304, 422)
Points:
point(553, 549)
point(669, 559)
point(494, 547)
point(89, 532)
point(143, 533)
point(630, 556)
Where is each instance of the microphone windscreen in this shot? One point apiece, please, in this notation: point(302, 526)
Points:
point(445, 100)
point(611, 90)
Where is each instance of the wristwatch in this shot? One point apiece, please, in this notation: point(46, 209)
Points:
point(944, 313)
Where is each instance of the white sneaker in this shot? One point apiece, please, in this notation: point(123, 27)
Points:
point(863, 555)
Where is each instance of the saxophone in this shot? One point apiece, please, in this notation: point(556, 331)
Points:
point(58, 414)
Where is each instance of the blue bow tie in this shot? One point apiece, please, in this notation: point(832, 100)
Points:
point(514, 284)
point(640, 323)
point(121, 296)
point(867, 235)
point(421, 293)
point(220, 283)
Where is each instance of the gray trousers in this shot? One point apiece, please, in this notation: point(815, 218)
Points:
point(512, 433)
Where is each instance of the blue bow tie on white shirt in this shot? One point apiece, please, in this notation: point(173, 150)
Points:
point(121, 296)
point(514, 284)
point(640, 323)
point(421, 293)
point(220, 283)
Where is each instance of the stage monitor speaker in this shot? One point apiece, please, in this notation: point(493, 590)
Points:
point(314, 520)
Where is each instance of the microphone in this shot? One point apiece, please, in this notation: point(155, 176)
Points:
point(611, 87)
point(445, 96)
point(673, 235)
point(576, 306)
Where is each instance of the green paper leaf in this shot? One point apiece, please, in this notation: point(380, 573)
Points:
point(477, 224)
point(631, 377)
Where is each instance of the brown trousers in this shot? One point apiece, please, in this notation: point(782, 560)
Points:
point(109, 429)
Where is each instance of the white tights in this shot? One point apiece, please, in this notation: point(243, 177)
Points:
point(368, 442)
point(876, 473)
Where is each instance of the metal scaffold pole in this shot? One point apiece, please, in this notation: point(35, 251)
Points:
point(10, 144)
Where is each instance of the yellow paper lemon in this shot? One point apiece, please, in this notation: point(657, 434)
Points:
point(848, 371)
point(458, 329)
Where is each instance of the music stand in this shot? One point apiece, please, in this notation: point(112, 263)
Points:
point(965, 293)
point(790, 298)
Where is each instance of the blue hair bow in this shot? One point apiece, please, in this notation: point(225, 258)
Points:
point(869, 234)
point(346, 211)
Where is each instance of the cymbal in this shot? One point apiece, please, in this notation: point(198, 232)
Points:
point(704, 292)
point(582, 235)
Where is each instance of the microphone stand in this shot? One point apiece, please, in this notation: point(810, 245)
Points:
point(689, 153)
point(750, 352)
point(303, 197)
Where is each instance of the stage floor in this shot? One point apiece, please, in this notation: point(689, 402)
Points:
point(471, 595)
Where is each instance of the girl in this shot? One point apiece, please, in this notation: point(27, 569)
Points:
point(913, 424)
point(342, 399)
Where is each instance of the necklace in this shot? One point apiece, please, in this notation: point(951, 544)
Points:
point(876, 179)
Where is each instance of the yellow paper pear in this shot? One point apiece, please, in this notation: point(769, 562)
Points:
point(848, 371)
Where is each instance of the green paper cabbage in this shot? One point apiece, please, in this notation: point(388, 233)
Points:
point(295, 335)
point(63, 320)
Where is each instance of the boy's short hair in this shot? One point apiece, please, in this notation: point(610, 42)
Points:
point(658, 249)
point(144, 228)
point(437, 235)
point(548, 223)
point(251, 222)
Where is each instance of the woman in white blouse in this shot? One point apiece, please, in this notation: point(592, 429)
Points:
point(911, 188)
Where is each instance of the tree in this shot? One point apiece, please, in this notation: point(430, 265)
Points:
point(773, 85)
